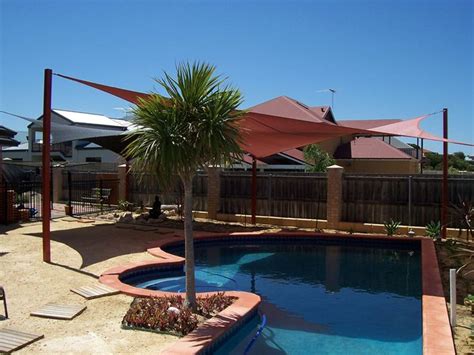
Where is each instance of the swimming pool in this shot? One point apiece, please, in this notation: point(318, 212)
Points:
point(321, 297)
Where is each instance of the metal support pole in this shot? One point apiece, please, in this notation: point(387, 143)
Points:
point(444, 201)
point(69, 189)
point(422, 156)
point(101, 196)
point(452, 297)
point(254, 191)
point(410, 185)
point(46, 188)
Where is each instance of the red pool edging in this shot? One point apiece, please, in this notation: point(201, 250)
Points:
point(437, 336)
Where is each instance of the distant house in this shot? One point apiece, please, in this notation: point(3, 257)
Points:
point(75, 151)
point(7, 137)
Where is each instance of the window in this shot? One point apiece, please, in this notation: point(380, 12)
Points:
point(94, 160)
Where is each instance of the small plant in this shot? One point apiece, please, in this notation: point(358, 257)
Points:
point(464, 212)
point(209, 306)
point(391, 227)
point(125, 205)
point(469, 301)
point(433, 229)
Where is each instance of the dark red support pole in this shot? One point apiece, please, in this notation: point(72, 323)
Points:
point(46, 188)
point(254, 190)
point(444, 202)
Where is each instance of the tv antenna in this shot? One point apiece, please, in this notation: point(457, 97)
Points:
point(332, 91)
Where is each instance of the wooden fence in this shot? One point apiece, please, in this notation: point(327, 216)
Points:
point(144, 187)
point(300, 195)
point(413, 200)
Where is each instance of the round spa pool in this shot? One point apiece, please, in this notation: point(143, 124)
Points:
point(317, 296)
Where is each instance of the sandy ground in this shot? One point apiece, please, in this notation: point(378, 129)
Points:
point(80, 252)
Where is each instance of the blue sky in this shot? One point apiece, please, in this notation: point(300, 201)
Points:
point(386, 59)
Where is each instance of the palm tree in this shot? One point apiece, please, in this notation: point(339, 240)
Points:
point(196, 126)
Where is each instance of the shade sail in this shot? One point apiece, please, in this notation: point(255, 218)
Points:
point(411, 128)
point(127, 95)
point(264, 135)
point(275, 126)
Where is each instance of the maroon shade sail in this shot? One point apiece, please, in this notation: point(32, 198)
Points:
point(282, 123)
point(127, 95)
point(264, 135)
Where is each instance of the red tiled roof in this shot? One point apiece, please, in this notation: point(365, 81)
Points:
point(367, 124)
point(284, 106)
point(248, 159)
point(368, 148)
point(295, 154)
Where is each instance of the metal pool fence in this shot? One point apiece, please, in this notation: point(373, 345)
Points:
point(21, 195)
point(86, 195)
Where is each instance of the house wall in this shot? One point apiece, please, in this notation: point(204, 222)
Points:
point(15, 154)
point(330, 146)
point(107, 156)
point(379, 166)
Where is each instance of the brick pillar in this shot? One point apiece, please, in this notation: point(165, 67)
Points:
point(122, 176)
point(213, 191)
point(57, 184)
point(334, 197)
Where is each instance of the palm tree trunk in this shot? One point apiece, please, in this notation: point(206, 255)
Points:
point(189, 243)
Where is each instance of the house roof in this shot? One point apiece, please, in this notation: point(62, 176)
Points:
point(368, 148)
point(22, 146)
point(90, 118)
point(295, 154)
point(284, 106)
point(6, 137)
point(394, 142)
point(4, 131)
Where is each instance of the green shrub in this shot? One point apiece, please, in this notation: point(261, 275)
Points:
point(125, 205)
point(391, 227)
point(433, 229)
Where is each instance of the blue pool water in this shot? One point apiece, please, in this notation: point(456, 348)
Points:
point(324, 299)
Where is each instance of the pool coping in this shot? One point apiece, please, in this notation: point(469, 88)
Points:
point(437, 336)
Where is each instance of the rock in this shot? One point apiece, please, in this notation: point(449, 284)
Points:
point(126, 217)
point(142, 218)
point(169, 212)
point(173, 310)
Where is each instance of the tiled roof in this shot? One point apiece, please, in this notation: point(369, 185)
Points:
point(284, 106)
point(368, 148)
point(295, 154)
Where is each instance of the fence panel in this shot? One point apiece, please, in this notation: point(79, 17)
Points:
point(144, 187)
point(21, 195)
point(299, 195)
point(92, 196)
point(413, 200)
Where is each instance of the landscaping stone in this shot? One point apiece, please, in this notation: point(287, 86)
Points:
point(126, 217)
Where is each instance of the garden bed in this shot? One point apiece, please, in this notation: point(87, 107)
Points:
point(169, 315)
